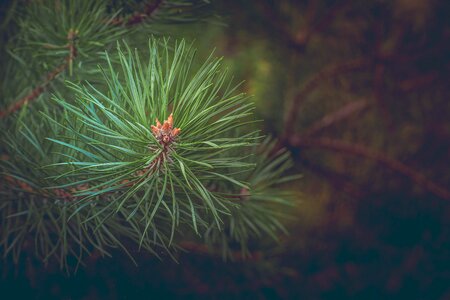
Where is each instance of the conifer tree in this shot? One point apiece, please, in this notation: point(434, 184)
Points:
point(113, 135)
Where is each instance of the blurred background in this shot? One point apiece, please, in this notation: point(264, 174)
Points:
point(358, 91)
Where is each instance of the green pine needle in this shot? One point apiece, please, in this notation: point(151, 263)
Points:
point(88, 172)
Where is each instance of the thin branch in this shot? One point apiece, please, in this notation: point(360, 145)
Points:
point(418, 82)
point(303, 36)
point(36, 92)
point(138, 17)
point(340, 182)
point(336, 116)
point(363, 151)
point(278, 24)
point(329, 17)
point(314, 82)
point(379, 58)
point(300, 40)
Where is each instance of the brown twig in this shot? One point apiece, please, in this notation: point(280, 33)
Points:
point(13, 184)
point(363, 151)
point(166, 136)
point(36, 92)
point(340, 182)
point(298, 41)
point(303, 36)
point(138, 17)
point(342, 113)
point(380, 59)
point(278, 24)
point(313, 82)
point(418, 82)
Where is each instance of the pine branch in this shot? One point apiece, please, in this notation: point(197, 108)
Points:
point(35, 93)
point(336, 116)
point(103, 162)
point(138, 17)
point(95, 167)
point(299, 40)
point(303, 36)
point(340, 182)
point(418, 82)
point(165, 11)
point(72, 35)
point(379, 59)
point(150, 9)
point(381, 158)
point(278, 24)
point(313, 82)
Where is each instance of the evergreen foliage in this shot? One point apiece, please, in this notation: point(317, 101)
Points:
point(133, 147)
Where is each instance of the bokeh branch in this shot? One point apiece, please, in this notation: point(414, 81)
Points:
point(299, 39)
point(334, 117)
point(381, 158)
point(312, 83)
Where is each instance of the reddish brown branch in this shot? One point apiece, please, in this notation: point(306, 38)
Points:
point(332, 118)
point(303, 36)
point(166, 134)
point(299, 40)
point(418, 82)
point(138, 17)
point(365, 152)
point(340, 182)
point(12, 184)
point(277, 23)
point(379, 59)
point(313, 82)
point(329, 17)
point(36, 92)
